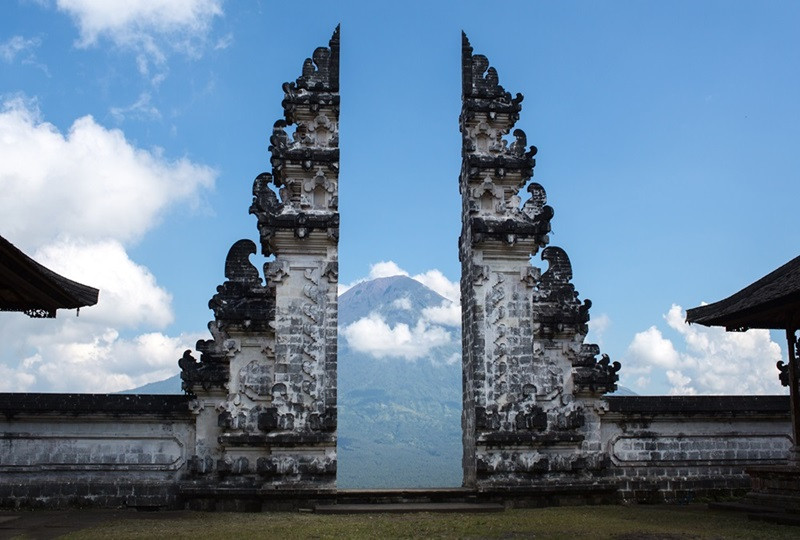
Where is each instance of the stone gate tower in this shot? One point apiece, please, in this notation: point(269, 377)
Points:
point(531, 387)
point(265, 385)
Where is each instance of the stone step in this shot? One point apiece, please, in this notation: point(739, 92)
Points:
point(407, 508)
point(417, 496)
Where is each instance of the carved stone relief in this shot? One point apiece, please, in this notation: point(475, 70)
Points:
point(530, 382)
point(265, 385)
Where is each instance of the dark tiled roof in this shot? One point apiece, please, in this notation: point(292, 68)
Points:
point(771, 302)
point(26, 285)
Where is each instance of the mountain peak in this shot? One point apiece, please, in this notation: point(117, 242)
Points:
point(398, 298)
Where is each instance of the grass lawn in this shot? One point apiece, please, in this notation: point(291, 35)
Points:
point(620, 522)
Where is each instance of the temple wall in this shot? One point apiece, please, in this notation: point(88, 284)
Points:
point(685, 448)
point(59, 450)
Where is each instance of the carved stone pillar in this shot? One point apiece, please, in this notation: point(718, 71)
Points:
point(265, 386)
point(531, 387)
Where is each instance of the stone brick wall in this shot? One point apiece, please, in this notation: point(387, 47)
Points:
point(60, 450)
point(666, 448)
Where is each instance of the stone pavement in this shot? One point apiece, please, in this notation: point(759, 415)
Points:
point(55, 523)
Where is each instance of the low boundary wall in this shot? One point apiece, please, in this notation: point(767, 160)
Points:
point(105, 450)
point(59, 450)
point(681, 448)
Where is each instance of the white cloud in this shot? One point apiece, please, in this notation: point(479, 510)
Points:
point(707, 361)
point(447, 313)
point(434, 279)
point(90, 183)
point(224, 42)
point(17, 45)
point(680, 384)
point(12, 380)
point(88, 353)
point(598, 325)
point(454, 358)
point(150, 29)
point(385, 269)
point(402, 303)
point(83, 357)
point(650, 348)
point(141, 108)
point(73, 202)
point(372, 335)
point(341, 288)
point(129, 295)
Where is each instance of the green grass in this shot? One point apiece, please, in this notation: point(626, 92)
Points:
point(596, 522)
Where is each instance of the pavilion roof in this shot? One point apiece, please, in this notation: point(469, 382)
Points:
point(27, 286)
point(771, 302)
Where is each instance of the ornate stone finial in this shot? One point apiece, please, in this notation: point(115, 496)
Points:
point(242, 301)
point(321, 71)
point(237, 263)
point(536, 206)
point(592, 376)
point(211, 371)
point(560, 270)
point(488, 114)
point(305, 164)
point(265, 201)
point(558, 308)
point(481, 89)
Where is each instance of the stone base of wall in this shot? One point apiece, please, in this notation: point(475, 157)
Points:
point(777, 487)
point(218, 498)
point(540, 495)
point(232, 499)
point(77, 493)
point(684, 489)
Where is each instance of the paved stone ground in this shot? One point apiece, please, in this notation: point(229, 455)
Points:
point(54, 523)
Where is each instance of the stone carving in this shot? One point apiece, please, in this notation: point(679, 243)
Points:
point(242, 300)
point(530, 384)
point(265, 385)
point(592, 375)
point(559, 309)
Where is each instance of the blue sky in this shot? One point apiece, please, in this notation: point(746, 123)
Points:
point(129, 138)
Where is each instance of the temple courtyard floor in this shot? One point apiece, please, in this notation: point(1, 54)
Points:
point(656, 522)
point(651, 522)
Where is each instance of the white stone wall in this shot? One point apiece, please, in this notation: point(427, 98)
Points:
point(98, 458)
point(685, 448)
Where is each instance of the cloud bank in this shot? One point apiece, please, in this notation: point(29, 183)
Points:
point(706, 360)
point(90, 182)
point(374, 336)
point(74, 201)
point(150, 29)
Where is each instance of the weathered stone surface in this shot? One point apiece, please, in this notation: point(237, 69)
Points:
point(531, 386)
point(681, 448)
point(265, 385)
point(60, 450)
point(258, 426)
